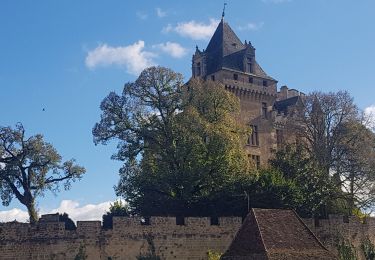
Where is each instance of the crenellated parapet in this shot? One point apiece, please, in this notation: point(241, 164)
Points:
point(172, 238)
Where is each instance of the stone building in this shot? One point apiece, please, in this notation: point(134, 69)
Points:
point(263, 108)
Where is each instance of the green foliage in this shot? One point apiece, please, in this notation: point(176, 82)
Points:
point(346, 251)
point(182, 150)
point(30, 167)
point(272, 190)
point(69, 223)
point(117, 209)
point(314, 187)
point(339, 149)
point(81, 255)
point(368, 249)
point(212, 255)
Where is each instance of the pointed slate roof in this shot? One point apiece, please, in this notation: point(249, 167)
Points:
point(225, 50)
point(275, 234)
point(224, 40)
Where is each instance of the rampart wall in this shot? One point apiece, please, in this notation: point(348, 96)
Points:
point(128, 239)
point(131, 238)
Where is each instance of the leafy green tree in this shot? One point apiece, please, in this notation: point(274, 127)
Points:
point(181, 146)
point(294, 163)
point(30, 166)
point(117, 209)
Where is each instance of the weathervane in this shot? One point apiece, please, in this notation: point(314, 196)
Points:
point(223, 14)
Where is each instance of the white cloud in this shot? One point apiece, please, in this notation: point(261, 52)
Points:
point(73, 208)
point(86, 212)
point(251, 26)
point(133, 57)
point(160, 13)
point(194, 30)
point(13, 214)
point(141, 15)
point(171, 48)
point(370, 116)
point(276, 1)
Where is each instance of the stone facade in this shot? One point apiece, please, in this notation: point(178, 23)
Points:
point(263, 108)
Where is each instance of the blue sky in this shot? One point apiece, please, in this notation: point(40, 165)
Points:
point(66, 56)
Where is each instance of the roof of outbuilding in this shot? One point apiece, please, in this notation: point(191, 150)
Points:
point(275, 234)
point(283, 105)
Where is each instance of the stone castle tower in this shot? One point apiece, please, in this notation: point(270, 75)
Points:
point(233, 63)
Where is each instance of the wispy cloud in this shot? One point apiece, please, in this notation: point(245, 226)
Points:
point(276, 1)
point(133, 57)
point(160, 13)
point(141, 15)
point(251, 26)
point(171, 48)
point(73, 208)
point(194, 30)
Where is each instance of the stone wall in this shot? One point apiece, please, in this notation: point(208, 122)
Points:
point(337, 229)
point(128, 239)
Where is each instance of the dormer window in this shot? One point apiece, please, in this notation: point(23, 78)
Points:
point(249, 65)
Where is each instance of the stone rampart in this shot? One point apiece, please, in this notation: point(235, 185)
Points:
point(131, 237)
point(128, 239)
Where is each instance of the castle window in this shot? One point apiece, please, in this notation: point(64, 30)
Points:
point(198, 69)
point(251, 80)
point(249, 67)
point(265, 83)
point(254, 137)
point(235, 76)
point(213, 77)
point(255, 159)
point(264, 110)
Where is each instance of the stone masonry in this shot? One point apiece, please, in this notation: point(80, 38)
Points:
point(129, 238)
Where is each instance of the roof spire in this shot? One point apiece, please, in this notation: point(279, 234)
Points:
point(223, 14)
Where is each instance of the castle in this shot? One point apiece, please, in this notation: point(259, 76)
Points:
point(229, 61)
point(232, 63)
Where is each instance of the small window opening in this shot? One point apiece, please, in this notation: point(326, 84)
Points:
point(214, 221)
point(145, 221)
point(180, 221)
point(213, 77)
point(235, 76)
point(251, 80)
point(265, 83)
point(198, 69)
point(264, 110)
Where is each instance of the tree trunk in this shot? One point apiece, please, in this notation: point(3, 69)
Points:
point(33, 214)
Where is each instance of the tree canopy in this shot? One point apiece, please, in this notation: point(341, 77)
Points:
point(181, 145)
point(333, 159)
point(30, 166)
